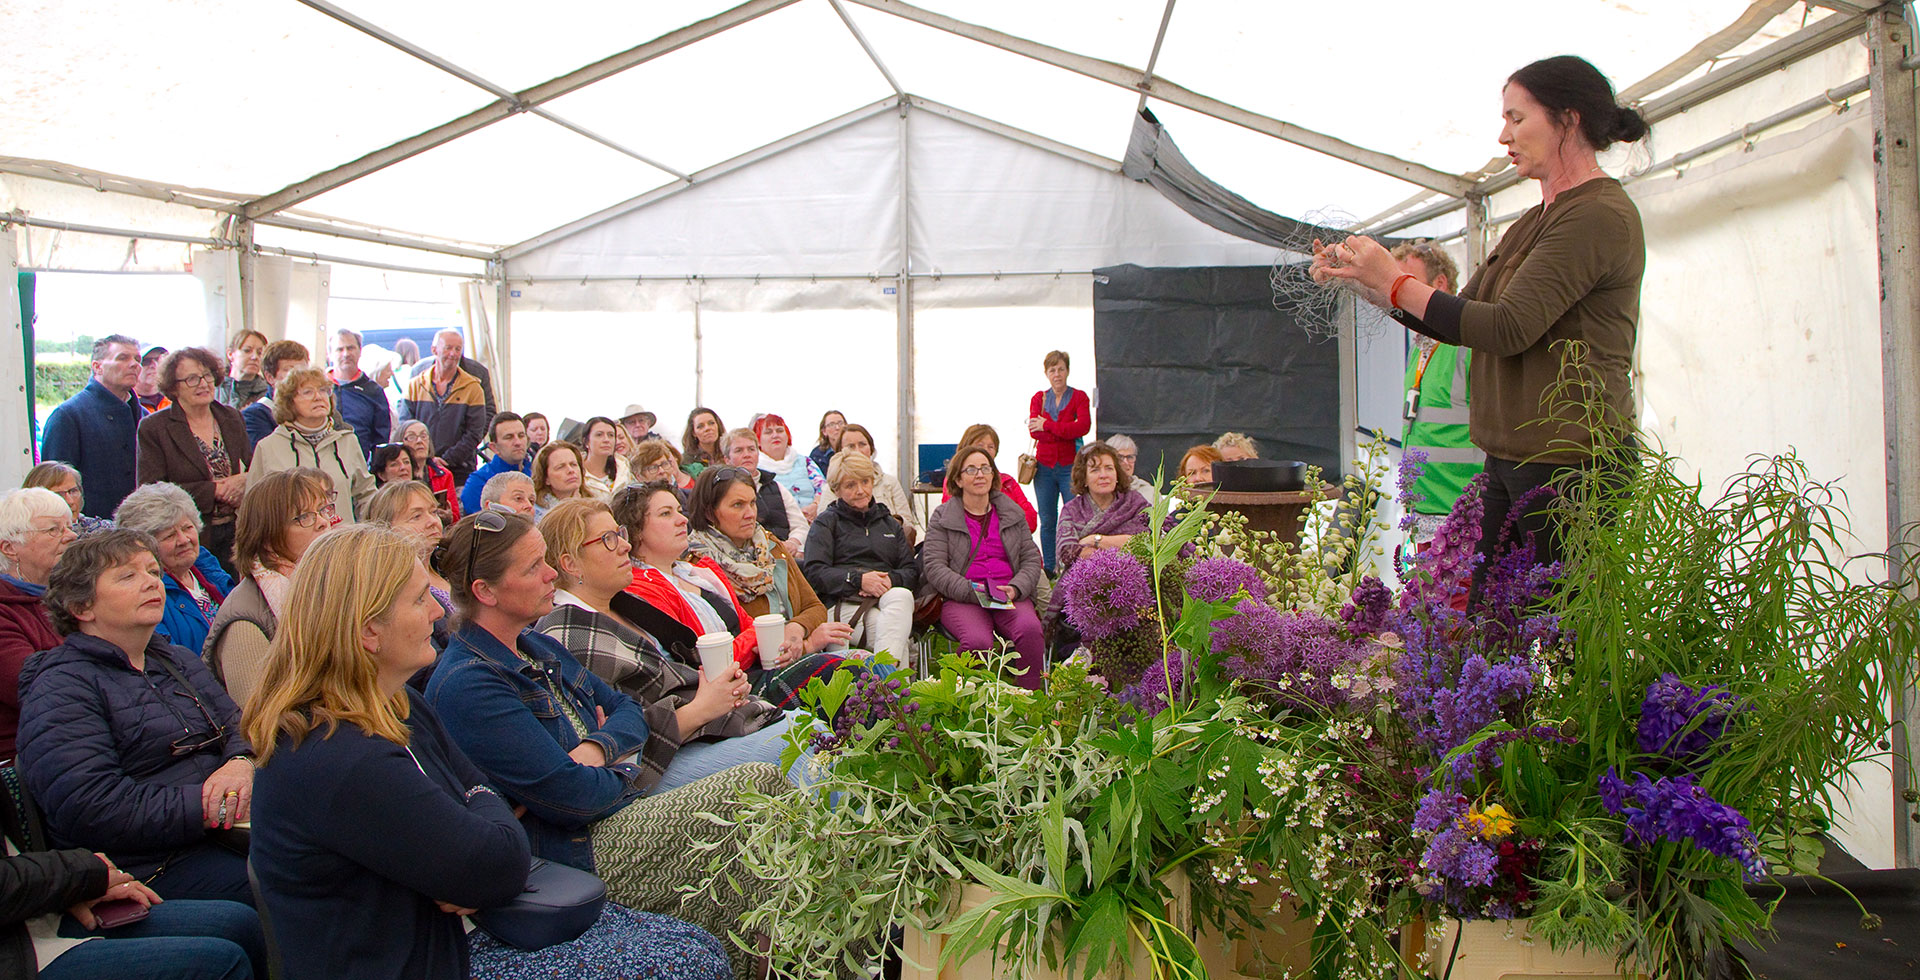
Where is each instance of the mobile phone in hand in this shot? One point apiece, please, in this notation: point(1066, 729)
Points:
point(119, 912)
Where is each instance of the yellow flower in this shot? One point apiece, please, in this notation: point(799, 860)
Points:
point(1492, 823)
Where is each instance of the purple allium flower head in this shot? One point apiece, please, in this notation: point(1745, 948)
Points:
point(1105, 593)
point(1293, 655)
point(1366, 611)
point(1677, 809)
point(1220, 579)
point(1149, 693)
point(1667, 718)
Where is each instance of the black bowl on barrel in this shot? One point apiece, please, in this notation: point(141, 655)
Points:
point(1260, 476)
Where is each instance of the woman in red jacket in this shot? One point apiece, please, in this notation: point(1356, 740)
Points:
point(1057, 418)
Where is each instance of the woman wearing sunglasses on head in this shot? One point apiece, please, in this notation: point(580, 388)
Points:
point(562, 743)
point(127, 743)
point(280, 516)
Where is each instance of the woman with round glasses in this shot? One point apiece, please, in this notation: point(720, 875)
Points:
point(280, 516)
point(563, 743)
point(698, 725)
point(64, 481)
point(981, 558)
point(127, 743)
point(428, 468)
point(199, 445)
point(306, 436)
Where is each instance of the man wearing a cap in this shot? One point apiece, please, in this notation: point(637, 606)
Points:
point(639, 423)
point(147, 389)
point(96, 430)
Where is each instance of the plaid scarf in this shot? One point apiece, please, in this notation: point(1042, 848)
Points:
point(749, 568)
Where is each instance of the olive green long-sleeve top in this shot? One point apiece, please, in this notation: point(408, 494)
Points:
point(1567, 272)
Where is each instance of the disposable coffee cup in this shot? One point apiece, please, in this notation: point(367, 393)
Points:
point(770, 630)
point(716, 654)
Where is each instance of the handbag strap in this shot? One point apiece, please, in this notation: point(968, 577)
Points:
point(867, 602)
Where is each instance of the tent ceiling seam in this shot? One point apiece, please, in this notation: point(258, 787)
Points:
point(487, 115)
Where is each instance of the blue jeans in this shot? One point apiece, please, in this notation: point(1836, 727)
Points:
point(178, 940)
point(203, 872)
point(699, 759)
point(1052, 486)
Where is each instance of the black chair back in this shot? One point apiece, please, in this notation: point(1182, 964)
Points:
point(19, 818)
point(274, 972)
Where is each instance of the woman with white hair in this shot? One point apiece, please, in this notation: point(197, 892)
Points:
point(1129, 453)
point(35, 530)
point(196, 584)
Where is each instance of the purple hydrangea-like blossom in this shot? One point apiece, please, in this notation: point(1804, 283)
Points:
point(1677, 809)
point(1462, 857)
point(1105, 593)
point(1293, 656)
point(1366, 611)
point(1439, 809)
point(1682, 722)
point(1149, 693)
point(1413, 463)
point(1220, 579)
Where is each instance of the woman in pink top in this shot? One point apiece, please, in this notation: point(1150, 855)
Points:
point(980, 557)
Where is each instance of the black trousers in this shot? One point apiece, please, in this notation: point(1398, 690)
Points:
point(1517, 498)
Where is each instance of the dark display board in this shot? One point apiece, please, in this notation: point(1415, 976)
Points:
point(1183, 355)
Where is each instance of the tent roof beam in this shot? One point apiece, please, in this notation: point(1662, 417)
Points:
point(385, 36)
point(1016, 134)
point(500, 109)
point(1153, 56)
point(1135, 80)
point(872, 55)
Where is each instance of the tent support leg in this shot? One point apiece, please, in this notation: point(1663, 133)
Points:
point(502, 334)
point(16, 445)
point(1897, 198)
point(249, 283)
point(906, 464)
point(1476, 237)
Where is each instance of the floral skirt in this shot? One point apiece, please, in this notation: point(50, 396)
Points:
point(623, 945)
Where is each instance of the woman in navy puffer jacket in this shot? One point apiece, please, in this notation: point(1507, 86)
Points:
point(127, 742)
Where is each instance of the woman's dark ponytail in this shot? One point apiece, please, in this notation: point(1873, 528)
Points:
point(1629, 127)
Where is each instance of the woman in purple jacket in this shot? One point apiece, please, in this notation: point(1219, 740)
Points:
point(980, 557)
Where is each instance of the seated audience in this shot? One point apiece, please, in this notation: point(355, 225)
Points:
point(34, 533)
point(307, 436)
point(986, 568)
point(390, 463)
point(127, 743)
point(195, 584)
point(559, 473)
point(376, 832)
point(64, 481)
point(1234, 446)
point(244, 385)
point(793, 470)
point(178, 940)
point(411, 510)
point(427, 468)
point(656, 462)
point(198, 445)
point(693, 594)
point(774, 506)
point(636, 424)
point(1102, 514)
point(886, 489)
point(983, 435)
point(512, 491)
point(1130, 469)
point(604, 466)
point(700, 444)
point(282, 357)
point(831, 425)
point(860, 561)
point(281, 516)
point(550, 734)
point(507, 434)
point(1196, 467)
point(697, 725)
point(537, 434)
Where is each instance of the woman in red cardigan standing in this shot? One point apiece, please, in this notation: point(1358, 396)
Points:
point(1058, 417)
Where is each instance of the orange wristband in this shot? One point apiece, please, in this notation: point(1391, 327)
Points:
point(1393, 295)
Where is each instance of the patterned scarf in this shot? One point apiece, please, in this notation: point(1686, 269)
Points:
point(749, 568)
point(274, 586)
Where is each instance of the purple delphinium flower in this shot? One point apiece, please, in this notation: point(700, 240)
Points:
point(1677, 809)
point(1462, 857)
point(1667, 718)
point(1292, 656)
point(1105, 593)
point(1413, 462)
point(1366, 611)
point(1220, 579)
point(1445, 710)
point(1439, 809)
point(1149, 693)
point(1435, 576)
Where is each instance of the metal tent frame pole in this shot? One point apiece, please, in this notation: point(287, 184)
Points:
point(908, 438)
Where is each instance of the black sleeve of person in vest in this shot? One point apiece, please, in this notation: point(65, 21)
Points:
point(40, 882)
point(1442, 321)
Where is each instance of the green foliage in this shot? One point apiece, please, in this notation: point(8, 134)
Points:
point(54, 380)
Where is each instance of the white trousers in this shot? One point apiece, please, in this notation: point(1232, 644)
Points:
point(887, 626)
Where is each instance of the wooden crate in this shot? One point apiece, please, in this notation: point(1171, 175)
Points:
point(922, 949)
point(1507, 951)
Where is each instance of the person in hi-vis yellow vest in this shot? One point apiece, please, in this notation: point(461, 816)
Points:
point(1434, 407)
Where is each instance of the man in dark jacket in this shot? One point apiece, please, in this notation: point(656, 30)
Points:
point(361, 402)
point(97, 430)
point(283, 357)
point(859, 561)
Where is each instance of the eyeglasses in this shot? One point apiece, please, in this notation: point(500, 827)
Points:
point(608, 539)
point(1128, 457)
point(70, 492)
point(194, 380)
point(52, 532)
point(194, 741)
point(489, 521)
point(311, 392)
point(976, 470)
point(325, 512)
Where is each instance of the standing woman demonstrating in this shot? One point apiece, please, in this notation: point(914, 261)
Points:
point(1568, 270)
point(200, 444)
point(1057, 418)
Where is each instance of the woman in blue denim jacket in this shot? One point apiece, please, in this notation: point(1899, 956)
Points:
point(560, 741)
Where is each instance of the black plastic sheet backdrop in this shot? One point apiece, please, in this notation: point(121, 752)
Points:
point(1185, 354)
